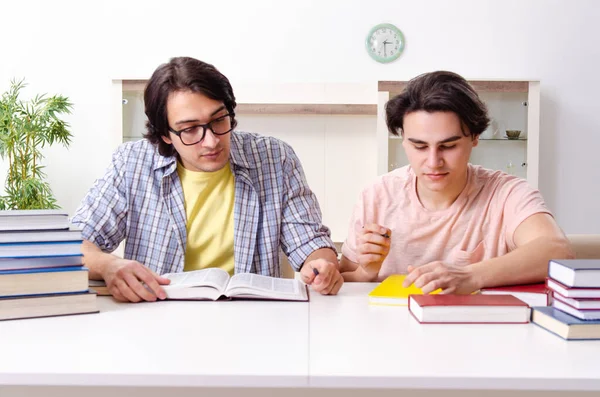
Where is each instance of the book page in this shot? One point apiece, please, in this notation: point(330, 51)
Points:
point(255, 285)
point(211, 277)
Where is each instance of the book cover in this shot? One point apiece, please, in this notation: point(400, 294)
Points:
point(578, 264)
point(565, 325)
point(43, 281)
point(13, 220)
point(28, 236)
point(572, 292)
point(49, 270)
point(47, 305)
point(391, 292)
point(467, 300)
point(582, 314)
point(575, 272)
point(54, 248)
point(40, 262)
point(22, 213)
point(581, 304)
point(462, 309)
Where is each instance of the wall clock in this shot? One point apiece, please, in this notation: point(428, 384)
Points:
point(385, 43)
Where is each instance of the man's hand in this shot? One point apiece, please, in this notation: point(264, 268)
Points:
point(124, 279)
point(373, 247)
point(328, 281)
point(451, 279)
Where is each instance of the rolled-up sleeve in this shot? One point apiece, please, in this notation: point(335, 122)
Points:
point(302, 230)
point(103, 211)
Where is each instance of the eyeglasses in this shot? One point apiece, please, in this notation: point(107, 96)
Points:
point(196, 133)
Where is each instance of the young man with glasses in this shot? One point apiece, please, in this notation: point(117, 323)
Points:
point(197, 193)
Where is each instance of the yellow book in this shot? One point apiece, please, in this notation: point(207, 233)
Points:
point(391, 292)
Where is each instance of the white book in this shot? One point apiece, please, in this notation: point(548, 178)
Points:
point(33, 220)
point(583, 304)
point(577, 293)
point(582, 273)
point(215, 283)
point(580, 314)
point(28, 236)
point(56, 248)
point(40, 262)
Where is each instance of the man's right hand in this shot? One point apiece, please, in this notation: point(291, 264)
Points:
point(373, 247)
point(124, 279)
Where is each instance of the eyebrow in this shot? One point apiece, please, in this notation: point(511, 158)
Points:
point(447, 140)
point(196, 120)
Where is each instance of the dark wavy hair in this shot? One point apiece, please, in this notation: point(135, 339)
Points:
point(181, 74)
point(439, 91)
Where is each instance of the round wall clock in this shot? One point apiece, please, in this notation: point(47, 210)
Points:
point(385, 43)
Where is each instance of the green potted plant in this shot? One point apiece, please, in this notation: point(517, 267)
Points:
point(26, 127)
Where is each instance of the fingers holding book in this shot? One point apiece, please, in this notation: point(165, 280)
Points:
point(130, 281)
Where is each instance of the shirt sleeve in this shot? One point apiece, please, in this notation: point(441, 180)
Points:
point(103, 212)
point(522, 201)
point(302, 230)
point(356, 223)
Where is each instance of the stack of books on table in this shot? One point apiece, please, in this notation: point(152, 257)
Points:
point(41, 270)
point(441, 308)
point(575, 289)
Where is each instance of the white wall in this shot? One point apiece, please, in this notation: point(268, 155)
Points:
point(77, 48)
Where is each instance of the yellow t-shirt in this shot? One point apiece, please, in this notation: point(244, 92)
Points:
point(208, 198)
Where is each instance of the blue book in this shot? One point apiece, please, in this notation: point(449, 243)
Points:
point(40, 262)
point(565, 325)
point(43, 281)
point(54, 248)
point(580, 273)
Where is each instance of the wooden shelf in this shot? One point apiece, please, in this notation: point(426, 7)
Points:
point(480, 86)
point(307, 108)
point(353, 109)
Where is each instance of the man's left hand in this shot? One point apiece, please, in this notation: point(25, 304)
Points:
point(327, 282)
point(451, 279)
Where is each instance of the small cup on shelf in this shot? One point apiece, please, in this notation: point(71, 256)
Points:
point(513, 134)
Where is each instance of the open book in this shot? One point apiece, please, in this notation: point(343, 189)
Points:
point(215, 283)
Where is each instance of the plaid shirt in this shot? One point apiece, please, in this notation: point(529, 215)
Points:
point(140, 199)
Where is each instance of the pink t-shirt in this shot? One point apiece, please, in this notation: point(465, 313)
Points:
point(479, 225)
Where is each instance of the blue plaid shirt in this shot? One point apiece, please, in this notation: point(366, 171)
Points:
point(140, 199)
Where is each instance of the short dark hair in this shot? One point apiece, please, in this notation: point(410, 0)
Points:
point(181, 74)
point(439, 91)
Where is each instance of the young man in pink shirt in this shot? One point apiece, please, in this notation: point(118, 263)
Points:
point(446, 223)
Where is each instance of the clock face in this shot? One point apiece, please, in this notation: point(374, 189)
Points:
point(385, 43)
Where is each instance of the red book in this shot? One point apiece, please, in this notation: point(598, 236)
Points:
point(462, 309)
point(532, 294)
point(571, 292)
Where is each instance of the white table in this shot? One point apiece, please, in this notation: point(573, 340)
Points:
point(164, 344)
point(333, 346)
point(357, 345)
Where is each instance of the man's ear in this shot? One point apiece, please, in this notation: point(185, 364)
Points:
point(476, 141)
point(167, 140)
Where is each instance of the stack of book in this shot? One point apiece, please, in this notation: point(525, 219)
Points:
point(41, 270)
point(575, 289)
point(436, 308)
